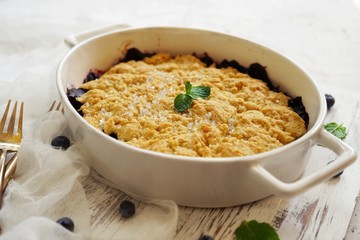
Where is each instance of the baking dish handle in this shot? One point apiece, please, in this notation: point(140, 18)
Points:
point(77, 38)
point(345, 156)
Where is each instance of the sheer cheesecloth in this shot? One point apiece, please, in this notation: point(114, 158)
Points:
point(47, 186)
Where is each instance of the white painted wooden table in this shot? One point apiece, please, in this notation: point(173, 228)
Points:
point(322, 36)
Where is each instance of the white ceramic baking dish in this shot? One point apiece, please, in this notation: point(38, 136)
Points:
point(190, 181)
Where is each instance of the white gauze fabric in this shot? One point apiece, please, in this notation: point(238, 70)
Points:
point(47, 185)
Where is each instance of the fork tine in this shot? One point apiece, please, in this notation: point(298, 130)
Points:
point(3, 120)
point(8, 139)
point(12, 120)
point(52, 106)
point(20, 124)
point(57, 108)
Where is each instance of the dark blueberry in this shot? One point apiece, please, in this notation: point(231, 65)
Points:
point(206, 59)
point(234, 64)
point(60, 142)
point(339, 174)
point(237, 66)
point(113, 135)
point(93, 74)
point(66, 223)
point(74, 93)
point(223, 64)
point(330, 101)
point(256, 70)
point(127, 209)
point(206, 237)
point(297, 105)
point(135, 54)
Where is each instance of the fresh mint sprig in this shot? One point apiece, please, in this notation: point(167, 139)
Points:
point(183, 101)
point(338, 130)
point(254, 230)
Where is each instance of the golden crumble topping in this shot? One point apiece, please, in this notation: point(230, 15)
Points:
point(135, 101)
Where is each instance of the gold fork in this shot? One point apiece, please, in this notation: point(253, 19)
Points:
point(56, 107)
point(9, 142)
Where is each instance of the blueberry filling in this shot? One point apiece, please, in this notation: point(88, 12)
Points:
point(113, 135)
point(205, 59)
point(298, 107)
point(258, 71)
point(66, 223)
point(135, 54)
point(72, 94)
point(93, 74)
point(234, 64)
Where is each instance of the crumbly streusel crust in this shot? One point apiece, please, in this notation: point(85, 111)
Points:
point(135, 101)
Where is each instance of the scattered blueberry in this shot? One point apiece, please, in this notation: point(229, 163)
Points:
point(66, 223)
point(330, 101)
point(206, 237)
point(338, 175)
point(127, 209)
point(60, 142)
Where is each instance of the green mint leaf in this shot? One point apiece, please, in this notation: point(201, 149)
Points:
point(254, 230)
point(188, 87)
point(182, 102)
point(338, 130)
point(199, 91)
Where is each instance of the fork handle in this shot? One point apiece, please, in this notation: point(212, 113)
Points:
point(10, 169)
point(2, 173)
